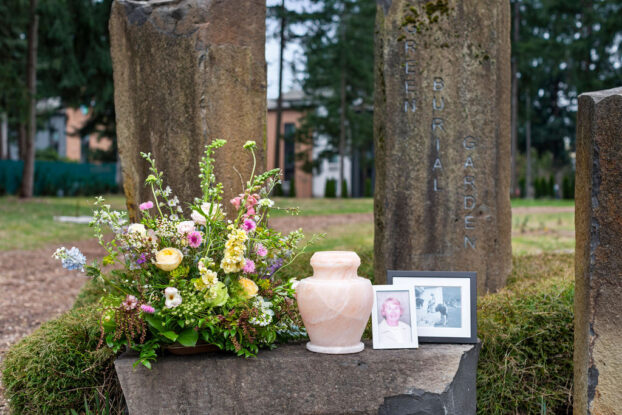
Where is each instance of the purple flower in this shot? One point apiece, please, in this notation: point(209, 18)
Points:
point(147, 309)
point(249, 225)
point(249, 267)
point(130, 302)
point(278, 263)
point(146, 205)
point(142, 259)
point(194, 239)
point(261, 250)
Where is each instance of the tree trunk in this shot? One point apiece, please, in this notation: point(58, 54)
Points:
point(28, 175)
point(279, 101)
point(528, 186)
point(514, 126)
point(342, 114)
point(4, 136)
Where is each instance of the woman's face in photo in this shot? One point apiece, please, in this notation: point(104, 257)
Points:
point(392, 312)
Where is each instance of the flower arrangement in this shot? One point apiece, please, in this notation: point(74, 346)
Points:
point(209, 279)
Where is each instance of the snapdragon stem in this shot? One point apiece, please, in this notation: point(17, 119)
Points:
point(156, 201)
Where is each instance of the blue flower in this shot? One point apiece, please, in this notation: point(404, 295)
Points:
point(71, 259)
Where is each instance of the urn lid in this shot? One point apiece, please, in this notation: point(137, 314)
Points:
point(335, 265)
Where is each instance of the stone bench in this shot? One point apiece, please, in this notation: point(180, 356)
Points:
point(434, 379)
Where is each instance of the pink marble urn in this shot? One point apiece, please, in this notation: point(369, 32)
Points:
point(335, 303)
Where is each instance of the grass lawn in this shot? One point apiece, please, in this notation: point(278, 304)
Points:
point(30, 224)
point(310, 207)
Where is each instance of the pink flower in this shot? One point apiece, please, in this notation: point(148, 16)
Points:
point(147, 309)
point(131, 302)
point(261, 250)
point(194, 239)
point(249, 225)
point(250, 212)
point(236, 202)
point(249, 266)
point(252, 200)
point(146, 205)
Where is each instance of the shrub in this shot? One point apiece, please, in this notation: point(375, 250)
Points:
point(527, 339)
point(330, 189)
point(57, 368)
point(292, 188)
point(344, 189)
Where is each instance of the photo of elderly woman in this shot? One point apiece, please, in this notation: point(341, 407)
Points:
point(394, 320)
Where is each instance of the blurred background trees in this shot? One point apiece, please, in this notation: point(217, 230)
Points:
point(559, 50)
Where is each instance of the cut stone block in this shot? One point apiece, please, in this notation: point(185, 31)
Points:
point(187, 72)
point(434, 379)
point(598, 258)
point(442, 139)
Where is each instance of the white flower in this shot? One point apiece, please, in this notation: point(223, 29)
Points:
point(266, 202)
point(138, 228)
point(216, 212)
point(173, 299)
point(185, 227)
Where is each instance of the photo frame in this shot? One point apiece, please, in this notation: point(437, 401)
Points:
point(445, 303)
point(393, 317)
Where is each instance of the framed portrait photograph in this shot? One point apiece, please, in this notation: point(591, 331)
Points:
point(445, 304)
point(393, 318)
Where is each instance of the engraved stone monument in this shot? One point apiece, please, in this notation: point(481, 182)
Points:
point(187, 72)
point(442, 138)
point(598, 259)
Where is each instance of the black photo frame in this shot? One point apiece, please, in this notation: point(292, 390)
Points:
point(444, 277)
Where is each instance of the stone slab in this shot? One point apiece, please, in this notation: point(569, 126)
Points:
point(187, 72)
point(598, 258)
point(434, 379)
point(442, 138)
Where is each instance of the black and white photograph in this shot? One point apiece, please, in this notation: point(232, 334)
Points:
point(438, 306)
point(394, 325)
point(445, 304)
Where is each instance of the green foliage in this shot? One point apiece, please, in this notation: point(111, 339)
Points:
point(330, 189)
point(369, 190)
point(338, 45)
point(73, 60)
point(58, 367)
point(565, 48)
point(568, 186)
point(292, 188)
point(344, 189)
point(526, 330)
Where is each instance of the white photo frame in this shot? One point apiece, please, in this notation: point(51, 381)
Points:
point(393, 303)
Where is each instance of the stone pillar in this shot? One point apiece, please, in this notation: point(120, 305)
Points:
point(598, 259)
point(442, 138)
point(187, 72)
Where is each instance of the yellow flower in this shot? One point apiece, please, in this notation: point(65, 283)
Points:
point(209, 277)
point(249, 286)
point(168, 259)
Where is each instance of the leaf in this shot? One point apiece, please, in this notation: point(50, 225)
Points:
point(171, 335)
point(188, 337)
point(154, 322)
point(110, 340)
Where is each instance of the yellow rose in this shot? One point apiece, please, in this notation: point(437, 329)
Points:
point(168, 259)
point(249, 286)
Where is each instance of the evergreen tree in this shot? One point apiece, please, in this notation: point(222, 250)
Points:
point(338, 77)
point(564, 48)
